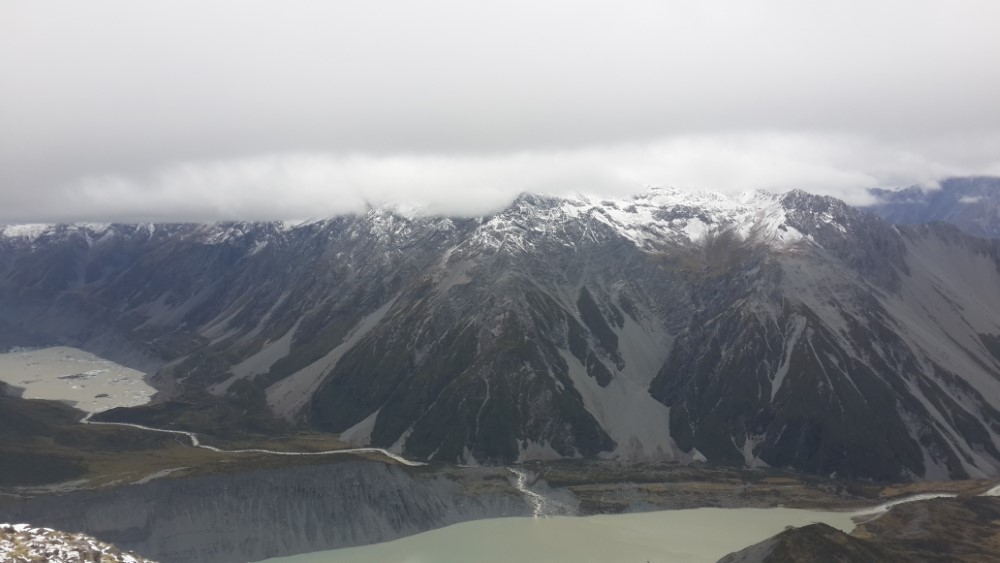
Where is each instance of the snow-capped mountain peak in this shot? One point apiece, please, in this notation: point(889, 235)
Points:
point(654, 221)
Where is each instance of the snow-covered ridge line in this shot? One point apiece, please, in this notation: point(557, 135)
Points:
point(30, 231)
point(665, 213)
point(718, 206)
point(652, 220)
point(195, 442)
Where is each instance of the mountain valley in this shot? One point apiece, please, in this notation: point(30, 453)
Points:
point(560, 356)
point(790, 331)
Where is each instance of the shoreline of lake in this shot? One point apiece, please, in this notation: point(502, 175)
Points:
point(690, 536)
point(85, 380)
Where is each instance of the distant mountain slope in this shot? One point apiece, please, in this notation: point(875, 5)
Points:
point(971, 204)
point(790, 330)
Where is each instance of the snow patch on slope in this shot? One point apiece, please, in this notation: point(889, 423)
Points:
point(750, 444)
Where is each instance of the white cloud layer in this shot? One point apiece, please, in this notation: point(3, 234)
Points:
point(202, 109)
point(291, 186)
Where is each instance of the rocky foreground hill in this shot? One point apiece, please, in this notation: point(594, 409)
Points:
point(786, 330)
point(21, 543)
point(963, 529)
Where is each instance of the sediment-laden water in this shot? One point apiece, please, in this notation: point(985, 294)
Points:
point(61, 373)
point(682, 536)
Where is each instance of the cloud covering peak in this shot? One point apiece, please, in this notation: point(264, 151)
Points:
point(117, 110)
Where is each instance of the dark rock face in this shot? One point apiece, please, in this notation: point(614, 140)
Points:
point(792, 330)
point(971, 204)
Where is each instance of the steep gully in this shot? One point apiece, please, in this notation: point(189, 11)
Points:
point(538, 502)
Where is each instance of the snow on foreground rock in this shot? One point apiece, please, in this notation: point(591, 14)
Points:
point(20, 543)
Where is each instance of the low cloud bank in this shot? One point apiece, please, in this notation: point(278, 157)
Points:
point(303, 185)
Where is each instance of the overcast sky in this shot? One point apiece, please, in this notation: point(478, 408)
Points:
point(208, 109)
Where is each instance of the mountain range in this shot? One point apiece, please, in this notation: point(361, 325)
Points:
point(972, 204)
point(786, 330)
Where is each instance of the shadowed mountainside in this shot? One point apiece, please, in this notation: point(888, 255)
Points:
point(785, 330)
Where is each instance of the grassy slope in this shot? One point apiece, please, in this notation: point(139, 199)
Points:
point(43, 443)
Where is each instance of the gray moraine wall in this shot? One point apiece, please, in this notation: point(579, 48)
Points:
point(256, 515)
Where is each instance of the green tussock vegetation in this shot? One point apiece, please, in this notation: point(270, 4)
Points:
point(43, 443)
